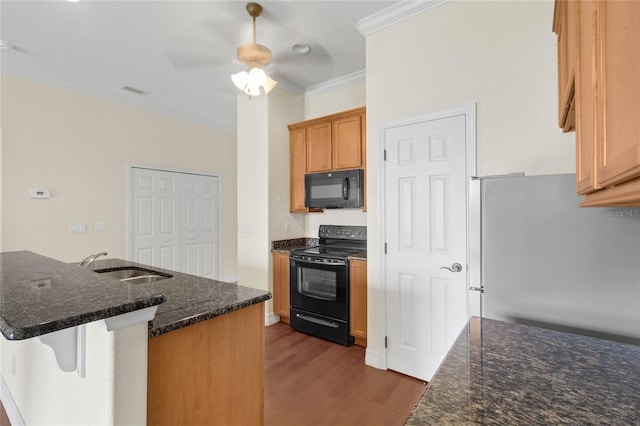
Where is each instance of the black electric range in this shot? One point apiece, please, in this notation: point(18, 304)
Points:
point(320, 282)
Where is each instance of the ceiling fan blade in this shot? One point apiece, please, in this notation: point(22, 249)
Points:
point(202, 44)
point(187, 61)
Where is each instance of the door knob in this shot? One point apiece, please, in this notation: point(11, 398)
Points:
point(456, 267)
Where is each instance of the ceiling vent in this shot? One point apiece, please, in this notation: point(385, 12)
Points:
point(134, 90)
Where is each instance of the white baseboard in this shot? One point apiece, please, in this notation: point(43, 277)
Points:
point(10, 405)
point(372, 359)
point(270, 318)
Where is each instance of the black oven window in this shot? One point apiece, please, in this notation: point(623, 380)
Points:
point(317, 283)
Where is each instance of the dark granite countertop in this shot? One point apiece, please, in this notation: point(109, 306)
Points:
point(40, 295)
point(189, 299)
point(503, 373)
point(285, 246)
point(362, 256)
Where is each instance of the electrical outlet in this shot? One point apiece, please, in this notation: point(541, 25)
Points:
point(77, 228)
point(287, 227)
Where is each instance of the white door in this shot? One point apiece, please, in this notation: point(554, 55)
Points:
point(199, 225)
point(174, 221)
point(425, 225)
point(155, 223)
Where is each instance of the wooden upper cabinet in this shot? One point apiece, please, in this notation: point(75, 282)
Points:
point(585, 95)
point(297, 168)
point(618, 26)
point(347, 143)
point(605, 38)
point(324, 144)
point(319, 147)
point(564, 27)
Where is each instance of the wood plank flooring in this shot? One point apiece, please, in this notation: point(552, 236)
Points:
point(310, 381)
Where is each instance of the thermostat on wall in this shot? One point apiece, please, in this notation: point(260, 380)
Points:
point(39, 193)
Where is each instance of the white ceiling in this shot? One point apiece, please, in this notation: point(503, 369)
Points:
point(181, 53)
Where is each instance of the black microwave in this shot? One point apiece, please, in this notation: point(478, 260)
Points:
point(343, 189)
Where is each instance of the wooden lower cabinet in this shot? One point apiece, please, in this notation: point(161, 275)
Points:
point(281, 291)
point(358, 301)
point(209, 373)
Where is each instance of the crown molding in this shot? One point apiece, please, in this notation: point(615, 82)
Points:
point(394, 14)
point(288, 85)
point(336, 84)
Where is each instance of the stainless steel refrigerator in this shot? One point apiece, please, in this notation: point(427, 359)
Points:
point(543, 260)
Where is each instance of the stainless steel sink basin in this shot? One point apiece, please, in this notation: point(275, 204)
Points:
point(133, 274)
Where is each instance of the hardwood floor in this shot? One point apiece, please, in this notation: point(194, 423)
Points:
point(4, 420)
point(313, 382)
point(310, 381)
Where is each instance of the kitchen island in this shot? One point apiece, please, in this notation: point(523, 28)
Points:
point(206, 351)
point(199, 356)
point(504, 373)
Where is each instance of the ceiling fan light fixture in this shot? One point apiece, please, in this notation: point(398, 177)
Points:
point(251, 82)
point(255, 56)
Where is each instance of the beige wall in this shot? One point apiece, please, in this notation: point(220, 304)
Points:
point(333, 101)
point(78, 146)
point(263, 184)
point(284, 109)
point(501, 55)
point(253, 192)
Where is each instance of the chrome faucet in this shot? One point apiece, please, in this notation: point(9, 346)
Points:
point(90, 259)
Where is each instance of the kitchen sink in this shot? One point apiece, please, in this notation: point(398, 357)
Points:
point(133, 274)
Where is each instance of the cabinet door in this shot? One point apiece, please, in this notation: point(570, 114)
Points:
point(347, 143)
point(358, 301)
point(281, 293)
point(297, 169)
point(563, 26)
point(618, 149)
point(585, 25)
point(319, 147)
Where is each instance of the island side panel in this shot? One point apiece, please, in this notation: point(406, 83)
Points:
point(209, 373)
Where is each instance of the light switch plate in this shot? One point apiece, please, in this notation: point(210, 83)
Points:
point(100, 227)
point(39, 193)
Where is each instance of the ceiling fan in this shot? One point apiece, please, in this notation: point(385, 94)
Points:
point(255, 56)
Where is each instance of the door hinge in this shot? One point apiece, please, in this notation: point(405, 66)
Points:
point(385, 248)
point(385, 342)
point(385, 155)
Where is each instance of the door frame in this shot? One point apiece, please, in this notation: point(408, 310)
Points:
point(469, 111)
point(129, 211)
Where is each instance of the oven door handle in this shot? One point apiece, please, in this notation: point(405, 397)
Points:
point(318, 321)
point(318, 262)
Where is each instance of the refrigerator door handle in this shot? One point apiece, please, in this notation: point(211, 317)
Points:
point(456, 267)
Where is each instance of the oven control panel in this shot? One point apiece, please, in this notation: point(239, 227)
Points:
point(345, 232)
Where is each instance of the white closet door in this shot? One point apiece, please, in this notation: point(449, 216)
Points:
point(155, 218)
point(174, 221)
point(200, 225)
